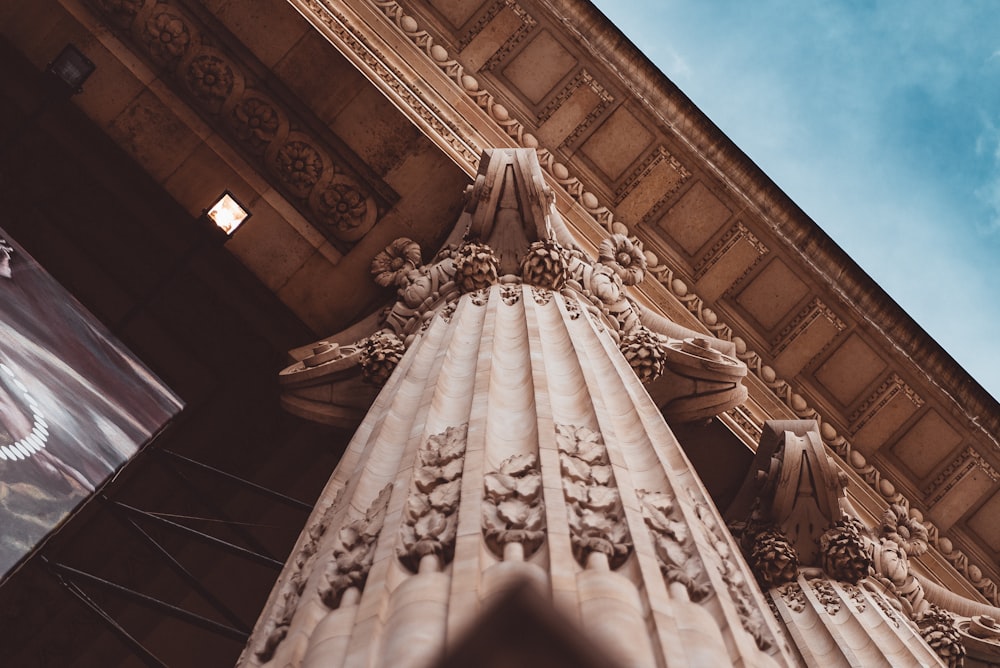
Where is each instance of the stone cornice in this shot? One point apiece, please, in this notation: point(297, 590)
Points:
point(802, 235)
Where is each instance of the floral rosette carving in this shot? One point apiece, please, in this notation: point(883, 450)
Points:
point(624, 258)
point(645, 352)
point(476, 267)
point(937, 627)
point(774, 559)
point(353, 552)
point(674, 545)
point(601, 281)
point(596, 517)
point(210, 79)
point(381, 354)
point(907, 532)
point(430, 517)
point(345, 209)
point(545, 265)
point(392, 265)
point(513, 510)
point(255, 122)
point(299, 165)
point(845, 555)
point(166, 36)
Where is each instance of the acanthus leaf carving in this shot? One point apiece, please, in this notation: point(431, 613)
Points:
point(353, 552)
point(430, 515)
point(674, 546)
point(512, 508)
point(596, 516)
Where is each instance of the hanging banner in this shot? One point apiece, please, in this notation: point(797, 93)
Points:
point(75, 404)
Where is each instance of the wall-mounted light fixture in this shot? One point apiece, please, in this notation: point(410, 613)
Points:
point(227, 213)
point(71, 67)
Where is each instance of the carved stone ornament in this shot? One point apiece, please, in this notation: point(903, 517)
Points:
point(774, 559)
point(845, 554)
point(624, 258)
point(937, 627)
point(353, 552)
point(476, 267)
point(430, 517)
point(645, 351)
point(276, 628)
point(674, 546)
point(739, 587)
point(512, 507)
point(381, 354)
point(596, 518)
point(545, 265)
point(392, 265)
point(313, 170)
point(907, 532)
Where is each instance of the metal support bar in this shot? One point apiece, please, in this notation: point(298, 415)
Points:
point(219, 512)
point(242, 481)
point(151, 602)
point(137, 647)
point(179, 568)
point(211, 540)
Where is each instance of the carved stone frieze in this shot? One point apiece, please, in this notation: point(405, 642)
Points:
point(430, 516)
point(826, 595)
point(596, 517)
point(512, 510)
point(312, 169)
point(793, 596)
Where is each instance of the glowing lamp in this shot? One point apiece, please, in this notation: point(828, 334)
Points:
point(227, 213)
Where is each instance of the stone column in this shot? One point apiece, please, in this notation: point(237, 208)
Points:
point(844, 590)
point(514, 441)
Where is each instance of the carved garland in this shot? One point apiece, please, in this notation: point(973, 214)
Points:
point(430, 517)
point(512, 506)
point(353, 552)
point(596, 517)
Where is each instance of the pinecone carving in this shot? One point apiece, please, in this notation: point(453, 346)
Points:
point(382, 353)
point(844, 555)
point(476, 267)
point(544, 265)
point(645, 352)
point(937, 627)
point(774, 559)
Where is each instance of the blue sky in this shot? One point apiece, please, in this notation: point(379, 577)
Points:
point(881, 120)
